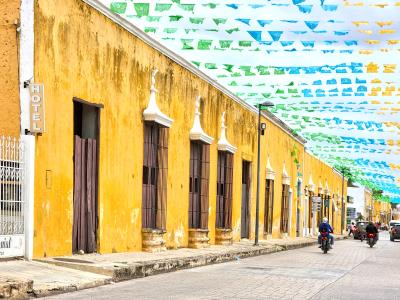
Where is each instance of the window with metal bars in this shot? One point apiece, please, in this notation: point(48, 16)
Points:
point(327, 206)
point(333, 211)
point(155, 171)
point(285, 208)
point(269, 206)
point(320, 212)
point(198, 185)
point(224, 190)
point(310, 208)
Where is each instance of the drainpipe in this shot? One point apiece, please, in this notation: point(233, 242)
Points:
point(26, 77)
point(342, 202)
point(303, 197)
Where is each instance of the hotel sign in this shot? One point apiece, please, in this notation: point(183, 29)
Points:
point(36, 108)
point(12, 245)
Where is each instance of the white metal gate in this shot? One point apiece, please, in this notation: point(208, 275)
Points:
point(12, 196)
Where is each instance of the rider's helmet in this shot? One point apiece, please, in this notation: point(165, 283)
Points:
point(325, 220)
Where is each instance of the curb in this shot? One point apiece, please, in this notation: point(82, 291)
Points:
point(15, 289)
point(135, 270)
point(39, 293)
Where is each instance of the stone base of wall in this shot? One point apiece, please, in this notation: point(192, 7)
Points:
point(223, 236)
point(267, 236)
point(284, 235)
point(198, 238)
point(153, 240)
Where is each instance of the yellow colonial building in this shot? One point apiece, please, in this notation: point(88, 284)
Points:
point(142, 151)
point(9, 43)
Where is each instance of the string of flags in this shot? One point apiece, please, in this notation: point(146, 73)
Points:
point(330, 67)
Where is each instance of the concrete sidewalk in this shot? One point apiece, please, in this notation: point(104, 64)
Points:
point(23, 279)
point(20, 279)
point(125, 266)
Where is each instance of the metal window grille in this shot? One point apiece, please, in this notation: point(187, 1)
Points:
point(326, 206)
point(285, 208)
point(319, 212)
point(333, 211)
point(224, 190)
point(11, 186)
point(310, 212)
point(198, 185)
point(155, 171)
point(269, 205)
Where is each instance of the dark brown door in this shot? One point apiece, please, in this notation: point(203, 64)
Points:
point(245, 216)
point(285, 209)
point(198, 185)
point(195, 185)
point(84, 231)
point(155, 172)
point(310, 210)
point(269, 205)
point(221, 187)
point(224, 190)
point(150, 172)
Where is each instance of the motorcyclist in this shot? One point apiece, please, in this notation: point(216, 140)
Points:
point(371, 228)
point(325, 227)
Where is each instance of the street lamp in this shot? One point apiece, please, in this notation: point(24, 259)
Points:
point(261, 106)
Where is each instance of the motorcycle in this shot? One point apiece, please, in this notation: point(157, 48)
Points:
point(371, 239)
point(325, 244)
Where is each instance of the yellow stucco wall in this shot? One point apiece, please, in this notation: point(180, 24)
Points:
point(381, 211)
point(9, 96)
point(369, 215)
point(323, 176)
point(80, 53)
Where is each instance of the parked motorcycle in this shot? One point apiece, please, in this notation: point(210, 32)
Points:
point(371, 239)
point(325, 244)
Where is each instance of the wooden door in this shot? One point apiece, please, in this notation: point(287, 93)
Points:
point(245, 214)
point(220, 223)
point(150, 174)
point(85, 195)
point(86, 152)
point(269, 206)
point(285, 209)
point(195, 185)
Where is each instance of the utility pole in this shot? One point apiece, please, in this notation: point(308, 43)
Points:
point(260, 131)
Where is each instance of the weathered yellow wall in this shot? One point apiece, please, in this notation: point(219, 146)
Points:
point(322, 174)
point(381, 207)
point(369, 215)
point(9, 96)
point(80, 53)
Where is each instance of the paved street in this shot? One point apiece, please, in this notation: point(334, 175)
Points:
point(351, 271)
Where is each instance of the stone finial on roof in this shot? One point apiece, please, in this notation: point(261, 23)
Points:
point(270, 173)
point(327, 192)
point(311, 185)
point(285, 176)
point(197, 133)
point(223, 144)
point(152, 113)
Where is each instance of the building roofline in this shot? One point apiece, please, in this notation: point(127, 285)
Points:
point(187, 65)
